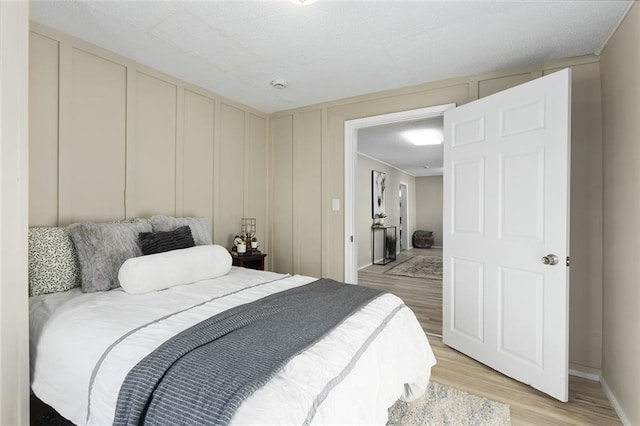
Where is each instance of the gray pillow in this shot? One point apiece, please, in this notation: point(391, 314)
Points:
point(199, 227)
point(53, 263)
point(102, 248)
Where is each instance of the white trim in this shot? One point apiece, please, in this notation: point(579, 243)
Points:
point(614, 402)
point(406, 219)
point(350, 240)
point(351, 128)
point(584, 375)
point(365, 266)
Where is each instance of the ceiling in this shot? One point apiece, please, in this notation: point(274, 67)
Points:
point(335, 49)
point(332, 49)
point(388, 144)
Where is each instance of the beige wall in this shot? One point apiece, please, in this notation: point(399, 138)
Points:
point(297, 227)
point(112, 139)
point(429, 201)
point(620, 65)
point(392, 203)
point(14, 153)
point(586, 178)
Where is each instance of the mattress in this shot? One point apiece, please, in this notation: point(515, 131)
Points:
point(84, 344)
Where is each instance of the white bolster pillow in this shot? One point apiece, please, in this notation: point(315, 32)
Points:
point(154, 272)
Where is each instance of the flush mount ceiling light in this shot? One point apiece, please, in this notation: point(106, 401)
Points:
point(424, 136)
point(279, 83)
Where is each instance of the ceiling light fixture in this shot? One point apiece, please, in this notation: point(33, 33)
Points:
point(424, 136)
point(279, 83)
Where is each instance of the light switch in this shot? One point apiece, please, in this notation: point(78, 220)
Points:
point(335, 204)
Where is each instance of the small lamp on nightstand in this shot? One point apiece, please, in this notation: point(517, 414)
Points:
point(248, 228)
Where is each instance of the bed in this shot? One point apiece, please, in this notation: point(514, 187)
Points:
point(84, 345)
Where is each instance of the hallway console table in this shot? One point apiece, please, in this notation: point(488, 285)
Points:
point(386, 234)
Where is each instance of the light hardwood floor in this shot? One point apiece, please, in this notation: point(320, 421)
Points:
point(587, 404)
point(425, 295)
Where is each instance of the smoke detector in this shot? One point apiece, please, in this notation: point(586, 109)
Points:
point(279, 83)
point(303, 2)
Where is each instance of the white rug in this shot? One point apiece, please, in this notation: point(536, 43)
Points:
point(444, 405)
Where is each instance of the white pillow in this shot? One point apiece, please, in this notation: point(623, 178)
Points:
point(154, 272)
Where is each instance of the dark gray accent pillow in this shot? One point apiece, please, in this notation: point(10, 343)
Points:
point(161, 241)
point(102, 248)
point(199, 227)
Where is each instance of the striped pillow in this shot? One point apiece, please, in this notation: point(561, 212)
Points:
point(161, 241)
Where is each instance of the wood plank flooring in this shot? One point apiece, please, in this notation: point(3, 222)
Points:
point(587, 404)
point(425, 294)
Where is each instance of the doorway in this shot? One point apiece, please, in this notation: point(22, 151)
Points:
point(351, 155)
point(420, 282)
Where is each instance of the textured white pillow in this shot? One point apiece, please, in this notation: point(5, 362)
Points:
point(154, 272)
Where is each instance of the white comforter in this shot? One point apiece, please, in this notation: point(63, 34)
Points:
point(83, 345)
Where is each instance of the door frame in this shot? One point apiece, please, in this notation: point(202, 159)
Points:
point(404, 238)
point(351, 128)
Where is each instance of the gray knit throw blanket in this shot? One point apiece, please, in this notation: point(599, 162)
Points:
point(202, 375)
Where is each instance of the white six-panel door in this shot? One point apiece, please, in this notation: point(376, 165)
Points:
point(506, 192)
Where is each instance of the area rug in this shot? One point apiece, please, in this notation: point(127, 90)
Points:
point(444, 405)
point(419, 267)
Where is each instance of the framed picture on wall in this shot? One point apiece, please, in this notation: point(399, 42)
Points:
point(378, 184)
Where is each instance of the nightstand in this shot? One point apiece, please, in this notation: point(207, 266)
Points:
point(251, 261)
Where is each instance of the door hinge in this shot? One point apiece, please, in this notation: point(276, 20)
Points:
point(352, 238)
point(568, 261)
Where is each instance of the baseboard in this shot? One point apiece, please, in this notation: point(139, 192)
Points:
point(584, 375)
point(585, 372)
point(614, 402)
point(362, 267)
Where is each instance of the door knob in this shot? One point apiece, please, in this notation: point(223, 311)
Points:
point(550, 259)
